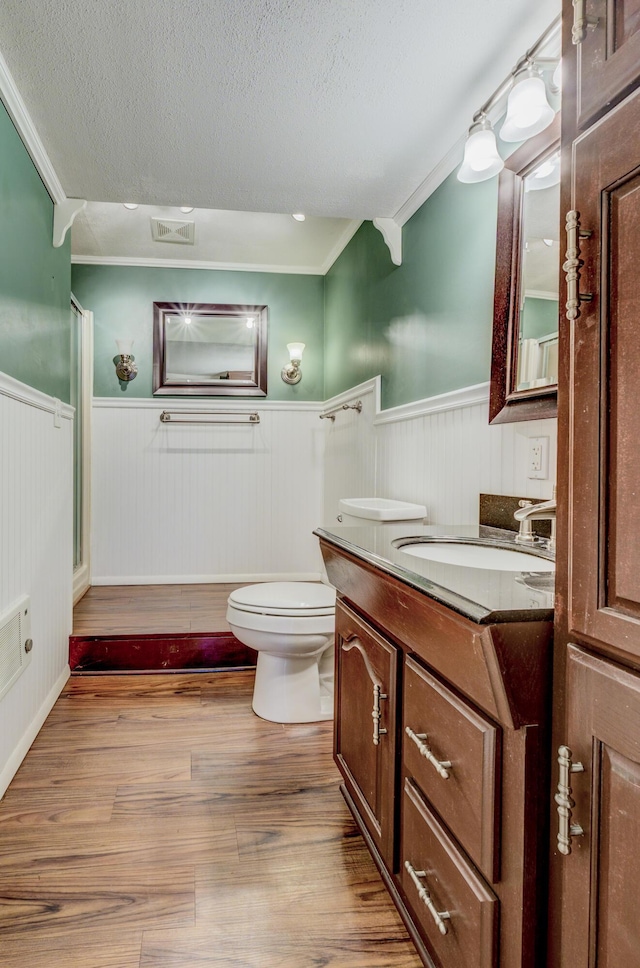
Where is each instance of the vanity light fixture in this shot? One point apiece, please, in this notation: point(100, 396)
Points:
point(528, 111)
point(132, 206)
point(299, 217)
point(481, 159)
point(291, 373)
point(126, 369)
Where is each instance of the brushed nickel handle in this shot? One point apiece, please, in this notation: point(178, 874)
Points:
point(566, 829)
point(376, 713)
point(441, 766)
point(581, 21)
point(573, 264)
point(438, 916)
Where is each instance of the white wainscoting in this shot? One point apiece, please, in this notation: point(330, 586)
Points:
point(350, 447)
point(440, 452)
point(205, 503)
point(36, 554)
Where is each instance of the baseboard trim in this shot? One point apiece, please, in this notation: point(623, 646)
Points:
point(202, 579)
point(23, 747)
point(158, 652)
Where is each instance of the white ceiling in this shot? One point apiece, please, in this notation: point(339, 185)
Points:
point(336, 108)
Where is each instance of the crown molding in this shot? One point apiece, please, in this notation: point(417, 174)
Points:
point(341, 244)
point(25, 127)
point(116, 260)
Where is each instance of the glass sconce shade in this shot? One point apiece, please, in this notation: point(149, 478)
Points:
point(481, 159)
point(528, 111)
point(124, 346)
point(545, 176)
point(295, 350)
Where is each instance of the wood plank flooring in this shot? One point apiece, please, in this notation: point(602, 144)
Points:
point(158, 823)
point(122, 609)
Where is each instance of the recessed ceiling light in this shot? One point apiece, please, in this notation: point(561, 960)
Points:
point(130, 205)
point(299, 217)
point(186, 209)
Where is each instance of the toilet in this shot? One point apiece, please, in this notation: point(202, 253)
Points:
point(291, 626)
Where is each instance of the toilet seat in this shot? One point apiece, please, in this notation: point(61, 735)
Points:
point(286, 598)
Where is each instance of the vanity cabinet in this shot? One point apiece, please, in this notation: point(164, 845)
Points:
point(441, 737)
point(595, 803)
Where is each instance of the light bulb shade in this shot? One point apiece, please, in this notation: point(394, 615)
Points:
point(481, 159)
point(295, 350)
point(124, 346)
point(546, 175)
point(528, 111)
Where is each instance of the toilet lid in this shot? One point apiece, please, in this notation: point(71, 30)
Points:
point(285, 598)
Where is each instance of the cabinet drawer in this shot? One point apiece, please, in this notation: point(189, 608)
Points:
point(437, 880)
point(440, 729)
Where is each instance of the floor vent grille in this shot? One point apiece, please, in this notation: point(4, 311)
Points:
point(14, 636)
point(179, 231)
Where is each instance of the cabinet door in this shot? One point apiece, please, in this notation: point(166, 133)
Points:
point(608, 34)
point(600, 923)
point(604, 348)
point(365, 731)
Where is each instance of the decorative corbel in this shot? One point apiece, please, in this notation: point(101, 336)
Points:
point(63, 216)
point(392, 234)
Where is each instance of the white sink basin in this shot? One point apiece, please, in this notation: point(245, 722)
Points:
point(381, 509)
point(478, 556)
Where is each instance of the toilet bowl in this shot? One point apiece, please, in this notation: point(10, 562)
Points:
point(291, 626)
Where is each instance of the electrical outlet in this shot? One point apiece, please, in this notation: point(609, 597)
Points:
point(538, 459)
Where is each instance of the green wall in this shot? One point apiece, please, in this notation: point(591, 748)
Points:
point(35, 278)
point(425, 326)
point(122, 297)
point(539, 317)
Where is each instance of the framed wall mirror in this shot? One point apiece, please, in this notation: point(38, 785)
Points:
point(210, 349)
point(524, 359)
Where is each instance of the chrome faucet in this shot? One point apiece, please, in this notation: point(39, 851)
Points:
point(528, 512)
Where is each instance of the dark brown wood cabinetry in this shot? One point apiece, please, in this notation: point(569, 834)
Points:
point(596, 736)
point(441, 737)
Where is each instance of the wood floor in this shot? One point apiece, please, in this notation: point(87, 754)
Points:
point(147, 609)
point(158, 823)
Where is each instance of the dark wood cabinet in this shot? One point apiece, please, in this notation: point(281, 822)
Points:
point(365, 724)
point(607, 34)
point(596, 734)
point(441, 736)
point(601, 798)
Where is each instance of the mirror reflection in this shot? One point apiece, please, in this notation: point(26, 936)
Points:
point(537, 359)
point(210, 348)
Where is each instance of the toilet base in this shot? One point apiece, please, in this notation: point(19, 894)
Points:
point(294, 690)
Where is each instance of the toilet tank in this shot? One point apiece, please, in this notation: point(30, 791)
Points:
point(377, 510)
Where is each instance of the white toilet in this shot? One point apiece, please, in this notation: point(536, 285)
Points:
point(291, 626)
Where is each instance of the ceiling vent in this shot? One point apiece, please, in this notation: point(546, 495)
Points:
point(179, 231)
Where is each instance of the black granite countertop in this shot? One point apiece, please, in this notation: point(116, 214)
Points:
point(480, 594)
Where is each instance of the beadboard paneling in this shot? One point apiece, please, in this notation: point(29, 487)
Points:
point(36, 530)
point(181, 502)
point(350, 449)
point(437, 455)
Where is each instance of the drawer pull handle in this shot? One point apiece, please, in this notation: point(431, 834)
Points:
point(376, 713)
point(573, 264)
point(441, 766)
point(566, 829)
point(438, 916)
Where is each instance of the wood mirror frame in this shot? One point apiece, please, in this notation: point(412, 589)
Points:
point(246, 383)
point(506, 403)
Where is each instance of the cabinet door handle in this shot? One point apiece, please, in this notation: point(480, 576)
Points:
point(581, 21)
point(353, 642)
point(566, 829)
point(438, 916)
point(573, 264)
point(376, 713)
point(441, 766)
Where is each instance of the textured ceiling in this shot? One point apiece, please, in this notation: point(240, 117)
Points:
point(337, 108)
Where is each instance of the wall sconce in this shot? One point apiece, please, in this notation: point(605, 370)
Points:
point(126, 369)
point(291, 373)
